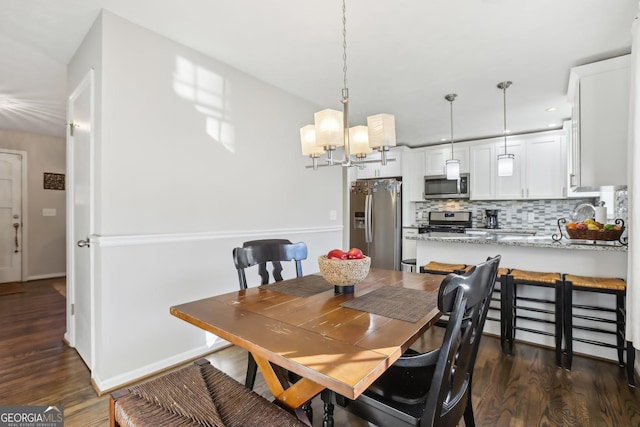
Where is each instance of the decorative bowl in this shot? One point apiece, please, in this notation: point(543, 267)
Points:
point(594, 234)
point(344, 272)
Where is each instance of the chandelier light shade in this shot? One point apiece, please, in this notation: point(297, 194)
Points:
point(331, 127)
point(506, 160)
point(452, 166)
point(382, 133)
point(359, 140)
point(308, 142)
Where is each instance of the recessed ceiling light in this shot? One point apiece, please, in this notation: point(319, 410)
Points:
point(443, 139)
point(551, 109)
point(552, 125)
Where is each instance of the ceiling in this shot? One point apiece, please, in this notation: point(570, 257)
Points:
point(402, 57)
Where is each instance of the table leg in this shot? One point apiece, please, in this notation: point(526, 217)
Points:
point(327, 397)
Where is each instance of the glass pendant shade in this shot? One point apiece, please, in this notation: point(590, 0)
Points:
point(329, 128)
point(308, 141)
point(452, 168)
point(505, 164)
point(359, 140)
point(382, 130)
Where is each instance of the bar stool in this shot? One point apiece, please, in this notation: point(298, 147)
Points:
point(512, 303)
point(603, 285)
point(496, 297)
point(435, 267)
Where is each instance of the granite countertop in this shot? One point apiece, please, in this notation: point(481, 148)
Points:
point(543, 241)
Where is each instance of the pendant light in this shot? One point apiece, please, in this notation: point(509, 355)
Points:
point(505, 161)
point(452, 166)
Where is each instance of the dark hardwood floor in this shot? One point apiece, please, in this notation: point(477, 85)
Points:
point(37, 368)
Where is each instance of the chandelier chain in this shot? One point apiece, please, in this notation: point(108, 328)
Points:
point(344, 43)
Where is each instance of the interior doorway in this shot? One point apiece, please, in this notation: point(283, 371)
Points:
point(12, 177)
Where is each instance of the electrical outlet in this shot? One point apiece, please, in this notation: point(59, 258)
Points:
point(531, 217)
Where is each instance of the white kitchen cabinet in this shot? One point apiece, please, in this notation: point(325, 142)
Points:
point(512, 187)
point(377, 170)
point(436, 156)
point(482, 171)
point(545, 167)
point(600, 116)
point(413, 172)
point(539, 170)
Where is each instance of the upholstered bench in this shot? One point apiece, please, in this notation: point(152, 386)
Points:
point(197, 395)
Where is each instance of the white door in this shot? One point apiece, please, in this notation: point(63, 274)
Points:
point(79, 161)
point(10, 217)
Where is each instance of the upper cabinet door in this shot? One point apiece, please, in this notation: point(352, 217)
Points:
point(512, 187)
point(437, 156)
point(545, 168)
point(482, 171)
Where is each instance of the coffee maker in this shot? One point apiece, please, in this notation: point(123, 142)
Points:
point(492, 218)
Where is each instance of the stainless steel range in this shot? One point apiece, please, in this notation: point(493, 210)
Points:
point(447, 223)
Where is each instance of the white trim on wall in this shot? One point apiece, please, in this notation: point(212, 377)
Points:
point(150, 239)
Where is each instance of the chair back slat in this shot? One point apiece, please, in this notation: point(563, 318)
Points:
point(261, 252)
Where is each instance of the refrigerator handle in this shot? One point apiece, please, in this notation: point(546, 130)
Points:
point(368, 216)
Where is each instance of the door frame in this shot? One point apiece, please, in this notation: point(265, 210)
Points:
point(70, 335)
point(24, 214)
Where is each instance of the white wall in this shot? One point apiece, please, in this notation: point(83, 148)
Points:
point(194, 157)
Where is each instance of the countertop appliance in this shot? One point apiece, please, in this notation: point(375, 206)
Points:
point(376, 221)
point(439, 187)
point(492, 217)
point(443, 223)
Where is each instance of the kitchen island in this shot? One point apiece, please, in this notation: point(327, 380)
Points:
point(534, 253)
point(538, 253)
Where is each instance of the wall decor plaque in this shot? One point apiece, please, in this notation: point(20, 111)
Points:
point(53, 181)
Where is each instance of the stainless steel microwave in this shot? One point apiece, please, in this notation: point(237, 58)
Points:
point(439, 187)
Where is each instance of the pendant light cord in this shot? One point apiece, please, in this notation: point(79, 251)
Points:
point(451, 97)
point(504, 85)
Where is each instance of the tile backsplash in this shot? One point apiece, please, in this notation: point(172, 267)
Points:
point(538, 215)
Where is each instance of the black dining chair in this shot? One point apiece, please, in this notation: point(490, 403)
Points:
point(262, 253)
point(434, 388)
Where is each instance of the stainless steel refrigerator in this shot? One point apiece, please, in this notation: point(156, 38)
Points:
point(376, 220)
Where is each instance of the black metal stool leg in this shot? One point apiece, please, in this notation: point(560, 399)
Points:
point(620, 326)
point(558, 321)
point(631, 361)
point(568, 323)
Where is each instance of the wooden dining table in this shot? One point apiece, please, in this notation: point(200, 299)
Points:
point(304, 326)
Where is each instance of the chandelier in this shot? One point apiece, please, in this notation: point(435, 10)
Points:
point(331, 128)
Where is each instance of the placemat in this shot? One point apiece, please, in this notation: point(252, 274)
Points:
point(310, 286)
point(406, 304)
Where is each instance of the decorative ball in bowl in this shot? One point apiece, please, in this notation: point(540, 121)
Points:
point(344, 272)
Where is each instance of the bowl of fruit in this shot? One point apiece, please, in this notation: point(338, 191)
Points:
point(344, 269)
point(589, 229)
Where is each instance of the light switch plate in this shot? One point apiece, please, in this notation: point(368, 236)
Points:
point(49, 212)
point(333, 215)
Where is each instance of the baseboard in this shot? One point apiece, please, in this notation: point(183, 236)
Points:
point(107, 385)
point(46, 276)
